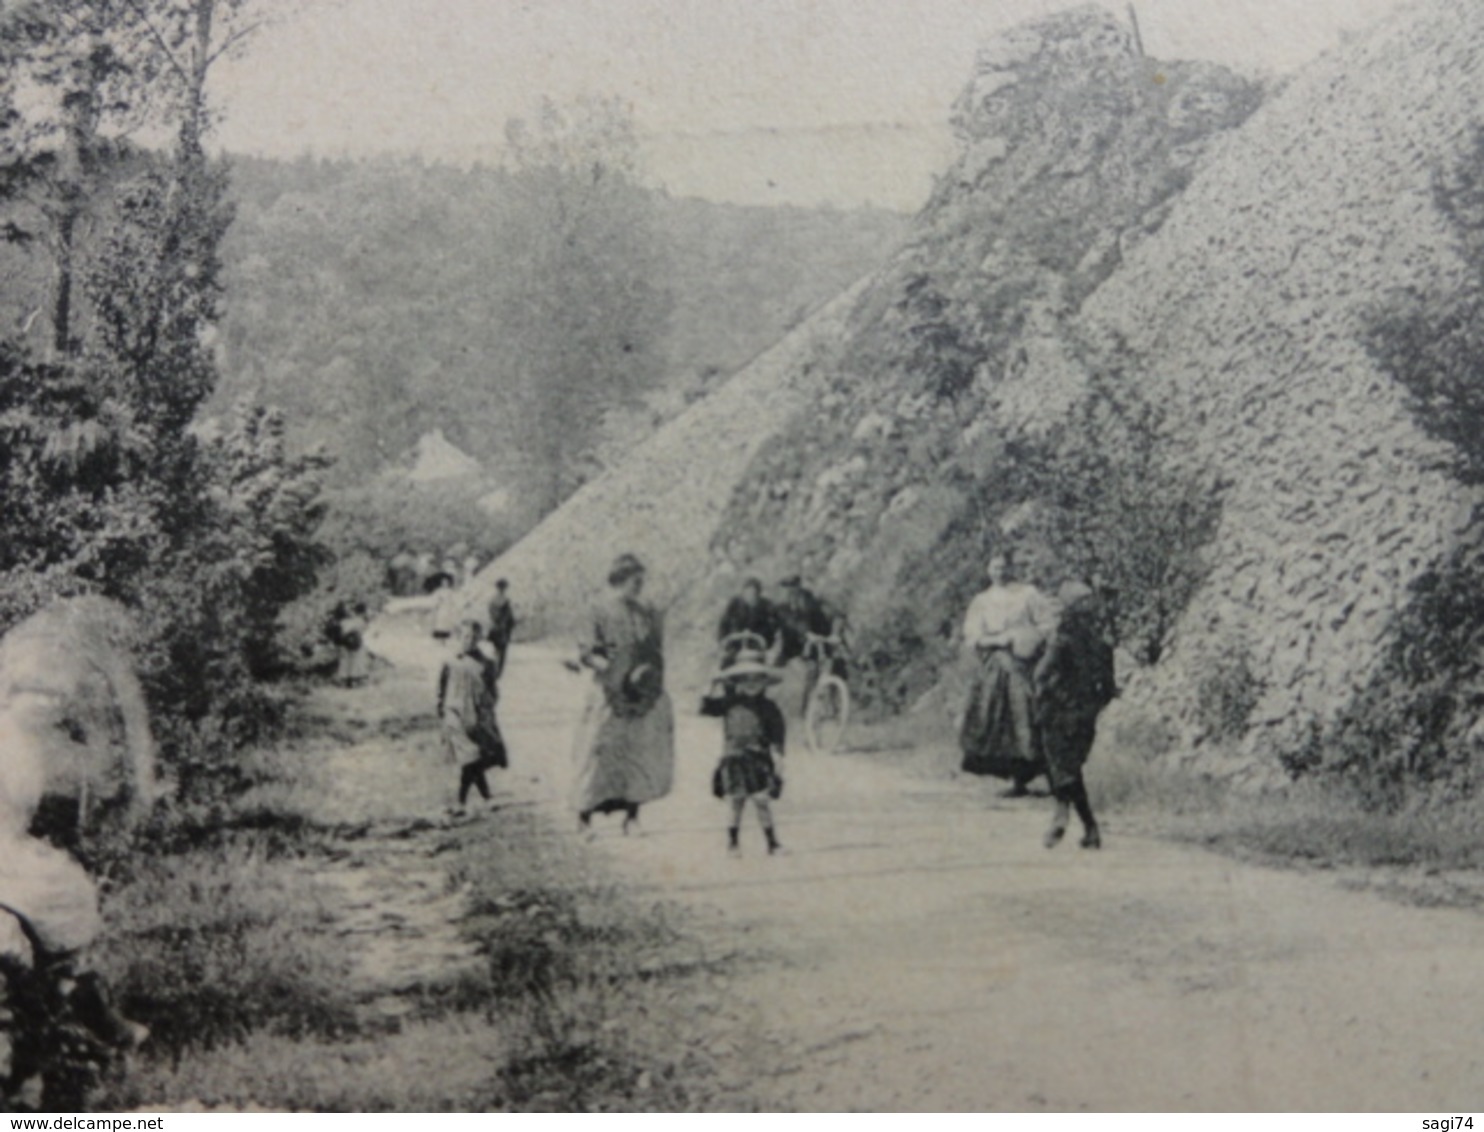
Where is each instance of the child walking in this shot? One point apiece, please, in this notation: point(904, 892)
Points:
point(467, 693)
point(1074, 681)
point(752, 734)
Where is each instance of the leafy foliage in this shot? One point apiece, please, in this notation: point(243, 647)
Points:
point(212, 608)
point(1117, 509)
point(589, 318)
point(104, 485)
point(1433, 345)
point(378, 300)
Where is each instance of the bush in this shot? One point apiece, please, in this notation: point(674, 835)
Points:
point(1227, 692)
point(1107, 496)
point(389, 515)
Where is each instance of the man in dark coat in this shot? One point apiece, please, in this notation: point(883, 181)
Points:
point(502, 623)
point(748, 612)
point(1073, 682)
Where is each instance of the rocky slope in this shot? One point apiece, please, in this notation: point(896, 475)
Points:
point(889, 489)
point(1249, 311)
point(1117, 219)
point(665, 502)
point(854, 451)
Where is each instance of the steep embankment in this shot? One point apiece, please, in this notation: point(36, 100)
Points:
point(664, 503)
point(1113, 221)
point(860, 452)
point(1249, 312)
point(888, 487)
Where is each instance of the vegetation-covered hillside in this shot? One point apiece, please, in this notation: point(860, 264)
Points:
point(378, 301)
point(1212, 349)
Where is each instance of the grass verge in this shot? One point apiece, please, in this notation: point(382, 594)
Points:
point(576, 995)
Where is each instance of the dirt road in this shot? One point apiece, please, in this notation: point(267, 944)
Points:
point(932, 955)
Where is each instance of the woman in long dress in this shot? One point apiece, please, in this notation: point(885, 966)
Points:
point(354, 667)
point(626, 745)
point(1006, 628)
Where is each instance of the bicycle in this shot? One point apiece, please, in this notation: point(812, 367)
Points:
point(827, 705)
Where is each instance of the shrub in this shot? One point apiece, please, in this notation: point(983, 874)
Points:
point(1227, 692)
point(1107, 496)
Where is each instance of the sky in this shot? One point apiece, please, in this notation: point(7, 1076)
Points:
point(840, 102)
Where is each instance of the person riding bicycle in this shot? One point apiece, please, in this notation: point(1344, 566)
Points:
point(748, 613)
point(813, 630)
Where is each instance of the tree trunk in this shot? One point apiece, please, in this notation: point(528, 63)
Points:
point(62, 285)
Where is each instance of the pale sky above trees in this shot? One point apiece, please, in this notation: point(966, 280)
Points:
point(758, 101)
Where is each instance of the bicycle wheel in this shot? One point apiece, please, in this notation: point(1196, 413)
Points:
point(827, 715)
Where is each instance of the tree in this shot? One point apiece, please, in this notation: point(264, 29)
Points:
point(105, 485)
point(587, 306)
point(81, 77)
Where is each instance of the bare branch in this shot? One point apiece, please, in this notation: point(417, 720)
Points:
point(232, 40)
point(143, 14)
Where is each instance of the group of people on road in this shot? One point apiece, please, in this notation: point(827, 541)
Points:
point(784, 630)
point(1043, 672)
point(625, 746)
point(411, 573)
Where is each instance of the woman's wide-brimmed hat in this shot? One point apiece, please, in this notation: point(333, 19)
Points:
point(624, 567)
point(750, 664)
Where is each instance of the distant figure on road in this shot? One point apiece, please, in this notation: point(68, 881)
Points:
point(1073, 682)
point(424, 573)
point(354, 664)
point(401, 573)
point(502, 623)
point(748, 612)
point(445, 606)
point(752, 734)
point(468, 568)
point(1006, 628)
point(467, 694)
point(626, 744)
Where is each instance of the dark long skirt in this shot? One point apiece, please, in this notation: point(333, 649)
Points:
point(999, 735)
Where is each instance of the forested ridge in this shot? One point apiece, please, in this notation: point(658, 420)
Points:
point(375, 301)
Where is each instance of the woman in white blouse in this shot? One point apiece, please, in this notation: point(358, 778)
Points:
point(1006, 628)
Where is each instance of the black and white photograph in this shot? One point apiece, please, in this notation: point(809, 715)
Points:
point(742, 556)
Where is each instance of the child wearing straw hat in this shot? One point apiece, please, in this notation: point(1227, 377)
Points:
point(752, 733)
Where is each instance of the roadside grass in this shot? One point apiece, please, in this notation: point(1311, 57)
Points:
point(603, 1002)
point(589, 997)
point(1308, 823)
point(207, 947)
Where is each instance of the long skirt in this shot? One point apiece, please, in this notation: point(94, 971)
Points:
point(354, 664)
point(999, 735)
point(623, 758)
